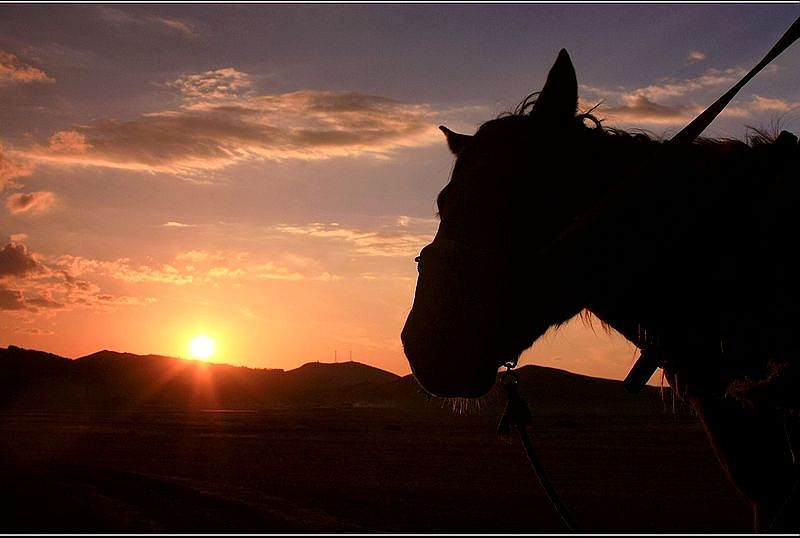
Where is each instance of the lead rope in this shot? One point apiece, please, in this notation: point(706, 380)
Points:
point(790, 429)
point(518, 414)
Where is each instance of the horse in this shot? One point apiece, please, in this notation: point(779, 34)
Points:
point(694, 265)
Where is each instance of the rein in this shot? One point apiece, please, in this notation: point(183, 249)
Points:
point(517, 412)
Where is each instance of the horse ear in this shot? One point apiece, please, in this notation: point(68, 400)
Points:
point(455, 141)
point(558, 99)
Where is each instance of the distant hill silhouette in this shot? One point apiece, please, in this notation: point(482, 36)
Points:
point(109, 379)
point(32, 379)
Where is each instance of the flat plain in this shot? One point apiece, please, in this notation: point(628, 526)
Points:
point(344, 469)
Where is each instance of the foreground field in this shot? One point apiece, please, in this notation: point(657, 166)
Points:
point(355, 470)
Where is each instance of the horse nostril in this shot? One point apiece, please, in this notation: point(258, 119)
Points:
point(417, 259)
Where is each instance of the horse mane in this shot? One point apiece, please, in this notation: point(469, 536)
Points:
point(754, 137)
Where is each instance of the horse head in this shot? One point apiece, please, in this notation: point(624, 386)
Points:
point(679, 246)
point(483, 295)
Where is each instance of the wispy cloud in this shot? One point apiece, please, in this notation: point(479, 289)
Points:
point(222, 123)
point(396, 240)
point(201, 267)
point(31, 331)
point(768, 103)
point(122, 17)
point(13, 70)
point(675, 101)
point(11, 169)
point(177, 25)
point(672, 87)
point(175, 224)
point(34, 202)
point(323, 252)
point(638, 108)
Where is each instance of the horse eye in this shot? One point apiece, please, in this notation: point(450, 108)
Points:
point(416, 260)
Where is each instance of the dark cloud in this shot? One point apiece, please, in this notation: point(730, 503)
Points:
point(11, 299)
point(218, 130)
point(15, 260)
point(14, 70)
point(31, 283)
point(35, 202)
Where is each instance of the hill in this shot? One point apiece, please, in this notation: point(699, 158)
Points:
point(110, 380)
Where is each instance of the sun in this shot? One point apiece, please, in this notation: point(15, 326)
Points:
point(201, 347)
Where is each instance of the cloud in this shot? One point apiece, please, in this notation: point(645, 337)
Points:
point(769, 108)
point(213, 85)
point(638, 108)
point(10, 169)
point(673, 101)
point(395, 240)
point(221, 122)
point(31, 283)
point(203, 267)
point(777, 105)
point(326, 252)
point(696, 56)
point(32, 331)
point(16, 261)
point(114, 15)
point(13, 70)
point(175, 224)
point(11, 299)
point(35, 202)
point(179, 26)
point(68, 142)
point(672, 87)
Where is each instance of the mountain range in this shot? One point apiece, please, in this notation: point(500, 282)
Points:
point(31, 379)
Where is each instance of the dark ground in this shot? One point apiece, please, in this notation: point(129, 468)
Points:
point(355, 469)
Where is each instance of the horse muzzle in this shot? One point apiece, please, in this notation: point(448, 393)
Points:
point(451, 373)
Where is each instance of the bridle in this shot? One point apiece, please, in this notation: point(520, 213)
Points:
point(517, 414)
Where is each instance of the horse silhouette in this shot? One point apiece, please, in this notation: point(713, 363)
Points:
point(695, 265)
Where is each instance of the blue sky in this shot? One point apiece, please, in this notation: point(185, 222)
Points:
point(266, 173)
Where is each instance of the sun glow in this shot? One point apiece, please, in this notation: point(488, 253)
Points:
point(201, 347)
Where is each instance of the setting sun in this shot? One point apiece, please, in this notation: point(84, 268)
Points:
point(201, 347)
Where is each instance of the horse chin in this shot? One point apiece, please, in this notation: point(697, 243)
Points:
point(456, 385)
point(455, 374)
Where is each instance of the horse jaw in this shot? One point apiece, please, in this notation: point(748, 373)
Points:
point(447, 367)
point(459, 331)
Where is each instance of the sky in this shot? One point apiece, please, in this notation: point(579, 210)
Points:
point(265, 174)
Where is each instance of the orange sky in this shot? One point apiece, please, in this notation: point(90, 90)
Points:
point(265, 174)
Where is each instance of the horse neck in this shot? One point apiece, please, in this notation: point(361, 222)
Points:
point(676, 260)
